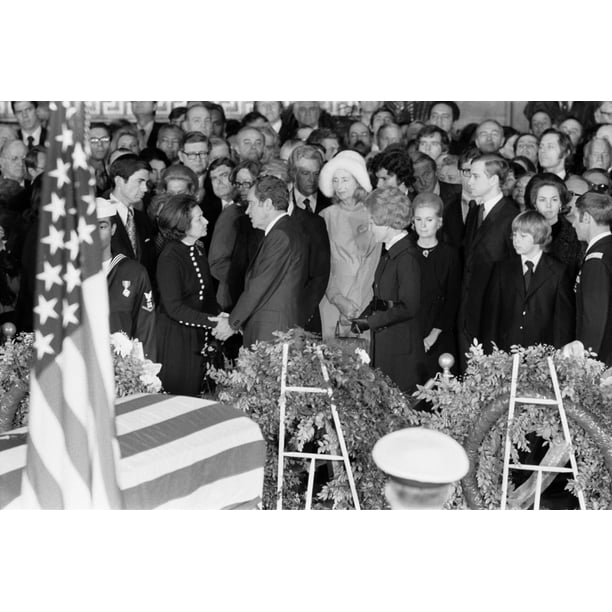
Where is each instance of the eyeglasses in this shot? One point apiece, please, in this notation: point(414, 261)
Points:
point(243, 184)
point(598, 187)
point(193, 156)
point(102, 140)
point(466, 172)
point(15, 158)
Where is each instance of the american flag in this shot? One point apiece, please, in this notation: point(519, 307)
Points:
point(72, 448)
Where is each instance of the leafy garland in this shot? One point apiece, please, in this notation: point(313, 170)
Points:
point(369, 406)
point(462, 405)
point(133, 373)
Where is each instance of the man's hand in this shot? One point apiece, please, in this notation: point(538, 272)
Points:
point(358, 326)
point(223, 330)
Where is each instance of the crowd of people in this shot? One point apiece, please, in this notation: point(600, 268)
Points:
point(388, 224)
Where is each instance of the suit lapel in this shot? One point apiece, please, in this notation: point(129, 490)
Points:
point(542, 272)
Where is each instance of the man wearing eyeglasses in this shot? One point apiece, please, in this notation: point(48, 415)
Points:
point(99, 145)
point(193, 153)
point(598, 180)
point(31, 132)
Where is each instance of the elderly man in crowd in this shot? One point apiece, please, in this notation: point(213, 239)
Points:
point(489, 136)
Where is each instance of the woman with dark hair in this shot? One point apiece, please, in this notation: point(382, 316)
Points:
point(548, 194)
point(396, 347)
point(187, 298)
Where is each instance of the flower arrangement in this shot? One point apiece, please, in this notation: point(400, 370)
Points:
point(474, 411)
point(369, 406)
point(133, 373)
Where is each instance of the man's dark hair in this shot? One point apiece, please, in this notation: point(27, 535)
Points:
point(125, 166)
point(221, 161)
point(319, 135)
point(565, 144)
point(177, 112)
point(194, 137)
point(598, 205)
point(430, 130)
point(495, 165)
point(273, 188)
point(422, 158)
point(252, 116)
point(149, 155)
point(100, 126)
point(469, 154)
point(35, 104)
point(398, 163)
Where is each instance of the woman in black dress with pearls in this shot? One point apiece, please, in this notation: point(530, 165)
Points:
point(187, 296)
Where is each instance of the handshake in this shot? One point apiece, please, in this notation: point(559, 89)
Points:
point(223, 330)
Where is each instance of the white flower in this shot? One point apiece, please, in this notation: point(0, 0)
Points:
point(121, 344)
point(151, 381)
point(365, 358)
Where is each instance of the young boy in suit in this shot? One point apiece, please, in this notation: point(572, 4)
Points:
point(529, 299)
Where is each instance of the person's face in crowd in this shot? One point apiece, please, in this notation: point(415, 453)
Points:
point(573, 129)
point(465, 172)
point(99, 143)
point(524, 244)
point(604, 113)
point(106, 230)
point(507, 151)
point(548, 202)
point(128, 141)
point(195, 156)
point(178, 120)
point(219, 150)
point(270, 110)
point(221, 184)
point(489, 137)
point(25, 113)
point(549, 152)
point(41, 160)
point(576, 186)
point(597, 180)
point(174, 186)
point(244, 181)
point(257, 210)
point(12, 161)
point(331, 147)
point(426, 222)
point(431, 145)
point(527, 146)
point(390, 134)
point(424, 177)
point(217, 124)
point(599, 155)
point(250, 145)
point(157, 167)
point(580, 224)
point(481, 185)
point(605, 132)
point(169, 142)
point(144, 110)
point(307, 113)
point(442, 116)
point(359, 138)
point(381, 118)
point(198, 119)
point(307, 176)
point(539, 123)
point(198, 225)
point(518, 193)
point(449, 173)
point(134, 188)
point(385, 179)
point(509, 183)
point(344, 185)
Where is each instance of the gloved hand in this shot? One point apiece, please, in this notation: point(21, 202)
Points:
point(358, 326)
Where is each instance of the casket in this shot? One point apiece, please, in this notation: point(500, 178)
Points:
point(176, 453)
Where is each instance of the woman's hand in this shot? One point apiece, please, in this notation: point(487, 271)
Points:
point(347, 307)
point(432, 338)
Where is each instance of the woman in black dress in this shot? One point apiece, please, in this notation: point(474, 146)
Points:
point(441, 281)
point(187, 298)
point(393, 315)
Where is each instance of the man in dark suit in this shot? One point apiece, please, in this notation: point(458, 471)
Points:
point(31, 132)
point(529, 299)
point(147, 127)
point(135, 232)
point(274, 286)
point(591, 219)
point(304, 167)
point(487, 241)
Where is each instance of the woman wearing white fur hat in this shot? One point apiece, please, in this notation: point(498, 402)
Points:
point(354, 250)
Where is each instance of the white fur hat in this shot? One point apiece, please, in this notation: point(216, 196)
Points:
point(350, 161)
point(104, 208)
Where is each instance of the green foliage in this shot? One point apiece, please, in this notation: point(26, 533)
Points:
point(369, 406)
point(460, 402)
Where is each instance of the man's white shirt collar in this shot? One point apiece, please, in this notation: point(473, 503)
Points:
point(597, 239)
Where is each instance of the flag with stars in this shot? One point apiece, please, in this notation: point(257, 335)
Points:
point(72, 447)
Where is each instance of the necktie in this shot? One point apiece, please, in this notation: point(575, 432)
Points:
point(307, 205)
point(480, 217)
point(130, 226)
point(472, 203)
point(30, 142)
point(142, 138)
point(528, 274)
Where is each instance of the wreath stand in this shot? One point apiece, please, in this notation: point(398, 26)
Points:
point(314, 457)
point(560, 452)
